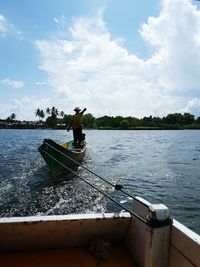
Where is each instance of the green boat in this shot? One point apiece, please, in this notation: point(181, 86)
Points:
point(61, 157)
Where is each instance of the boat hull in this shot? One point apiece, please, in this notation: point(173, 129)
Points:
point(68, 238)
point(60, 158)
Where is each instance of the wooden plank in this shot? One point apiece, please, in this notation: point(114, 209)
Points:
point(157, 246)
point(61, 231)
point(177, 260)
point(136, 239)
point(186, 242)
point(153, 241)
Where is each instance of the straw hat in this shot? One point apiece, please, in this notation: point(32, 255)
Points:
point(77, 109)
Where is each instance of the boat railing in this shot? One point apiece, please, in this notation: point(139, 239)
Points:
point(150, 220)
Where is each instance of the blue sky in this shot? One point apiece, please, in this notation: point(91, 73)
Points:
point(129, 58)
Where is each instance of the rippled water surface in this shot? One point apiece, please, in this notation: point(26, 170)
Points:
point(161, 166)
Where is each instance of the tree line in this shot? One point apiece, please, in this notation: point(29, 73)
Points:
point(55, 119)
point(171, 121)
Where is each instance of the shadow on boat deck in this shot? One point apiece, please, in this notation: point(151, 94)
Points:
point(75, 257)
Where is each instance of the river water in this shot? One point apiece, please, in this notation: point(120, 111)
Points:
point(160, 166)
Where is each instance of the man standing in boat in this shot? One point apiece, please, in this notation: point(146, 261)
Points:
point(76, 125)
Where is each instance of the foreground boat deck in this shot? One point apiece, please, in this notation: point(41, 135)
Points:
point(76, 257)
point(149, 237)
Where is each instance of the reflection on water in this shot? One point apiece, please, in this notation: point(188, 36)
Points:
point(161, 166)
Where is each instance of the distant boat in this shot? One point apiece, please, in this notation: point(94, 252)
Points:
point(57, 156)
point(147, 238)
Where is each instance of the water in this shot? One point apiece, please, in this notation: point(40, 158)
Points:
point(160, 166)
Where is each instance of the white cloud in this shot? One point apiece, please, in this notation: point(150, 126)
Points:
point(91, 69)
point(193, 107)
point(7, 28)
point(13, 107)
point(3, 25)
point(24, 108)
point(175, 37)
point(60, 20)
point(16, 104)
point(40, 83)
point(12, 83)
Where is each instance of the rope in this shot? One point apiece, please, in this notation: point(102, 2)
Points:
point(117, 186)
point(97, 189)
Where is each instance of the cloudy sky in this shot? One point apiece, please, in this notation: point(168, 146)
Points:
point(130, 58)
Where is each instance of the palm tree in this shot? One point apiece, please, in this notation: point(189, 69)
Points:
point(13, 116)
point(54, 112)
point(48, 111)
point(62, 114)
point(42, 114)
point(37, 113)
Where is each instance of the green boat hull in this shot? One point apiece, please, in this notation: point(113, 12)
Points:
point(61, 157)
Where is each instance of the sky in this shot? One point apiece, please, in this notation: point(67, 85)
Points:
point(128, 58)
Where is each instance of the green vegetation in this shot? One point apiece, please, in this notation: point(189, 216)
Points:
point(11, 118)
point(54, 119)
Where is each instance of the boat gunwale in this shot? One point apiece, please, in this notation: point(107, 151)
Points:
point(69, 217)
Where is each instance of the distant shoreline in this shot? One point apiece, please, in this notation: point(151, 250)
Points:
point(40, 127)
point(60, 121)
